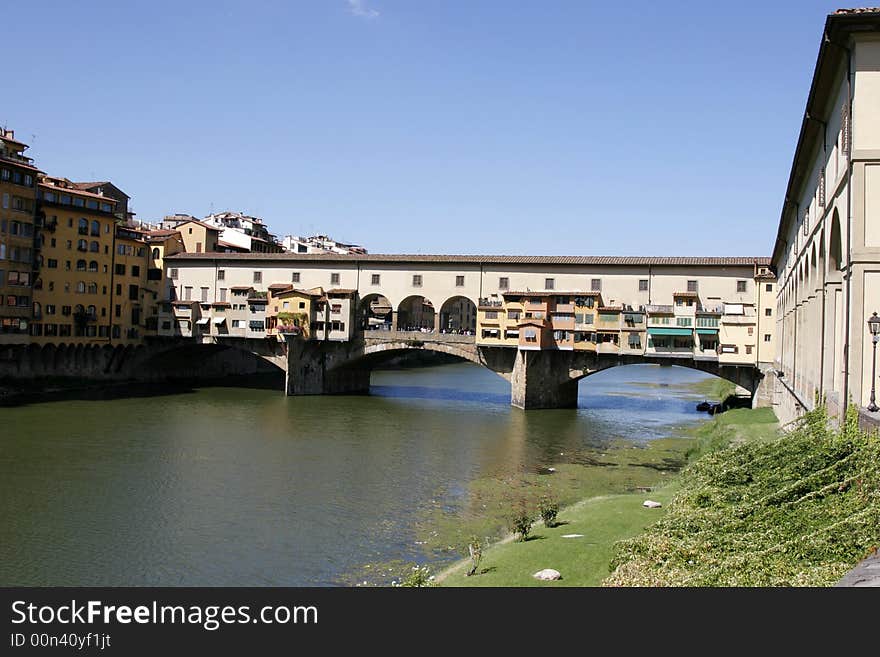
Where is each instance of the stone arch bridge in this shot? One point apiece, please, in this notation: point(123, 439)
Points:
point(538, 379)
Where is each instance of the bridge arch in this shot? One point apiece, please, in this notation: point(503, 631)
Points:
point(195, 360)
point(746, 378)
point(375, 311)
point(458, 314)
point(416, 312)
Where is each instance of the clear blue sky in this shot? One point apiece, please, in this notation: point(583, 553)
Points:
point(430, 126)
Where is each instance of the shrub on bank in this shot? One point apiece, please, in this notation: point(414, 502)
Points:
point(798, 510)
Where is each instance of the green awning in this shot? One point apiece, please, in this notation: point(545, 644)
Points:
point(707, 331)
point(670, 331)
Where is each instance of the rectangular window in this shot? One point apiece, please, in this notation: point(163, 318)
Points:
point(222, 294)
point(294, 277)
point(117, 311)
point(643, 285)
point(119, 270)
point(187, 293)
point(748, 348)
point(768, 312)
point(52, 263)
point(459, 281)
point(741, 286)
point(683, 321)
point(491, 314)
point(118, 289)
point(766, 337)
point(503, 283)
point(334, 279)
point(549, 283)
point(132, 292)
point(692, 286)
point(204, 297)
point(374, 279)
point(751, 330)
point(417, 280)
point(596, 284)
point(172, 273)
point(221, 274)
point(258, 277)
point(769, 287)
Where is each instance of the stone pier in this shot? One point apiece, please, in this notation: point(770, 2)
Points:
point(541, 379)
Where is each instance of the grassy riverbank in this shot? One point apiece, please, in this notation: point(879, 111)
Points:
point(605, 520)
point(800, 510)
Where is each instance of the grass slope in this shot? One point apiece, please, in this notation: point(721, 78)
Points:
point(799, 510)
point(604, 521)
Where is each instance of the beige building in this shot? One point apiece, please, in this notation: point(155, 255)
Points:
point(198, 237)
point(827, 250)
point(610, 305)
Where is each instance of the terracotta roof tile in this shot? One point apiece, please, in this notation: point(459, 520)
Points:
point(484, 259)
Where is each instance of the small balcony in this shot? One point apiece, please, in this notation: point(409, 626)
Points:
point(565, 307)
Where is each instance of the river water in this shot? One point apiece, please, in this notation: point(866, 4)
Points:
point(238, 486)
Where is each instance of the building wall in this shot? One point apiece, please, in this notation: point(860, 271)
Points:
point(77, 270)
point(828, 254)
point(17, 270)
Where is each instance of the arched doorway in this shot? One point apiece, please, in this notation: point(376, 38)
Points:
point(375, 313)
point(458, 315)
point(415, 313)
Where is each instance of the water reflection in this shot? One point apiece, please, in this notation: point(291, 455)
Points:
point(243, 486)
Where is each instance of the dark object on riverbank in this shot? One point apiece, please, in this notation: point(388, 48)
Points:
point(703, 406)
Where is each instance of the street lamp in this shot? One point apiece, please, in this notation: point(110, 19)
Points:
point(874, 327)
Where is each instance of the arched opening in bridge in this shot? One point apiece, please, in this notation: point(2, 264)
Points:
point(458, 315)
point(215, 364)
point(375, 313)
point(648, 386)
point(416, 313)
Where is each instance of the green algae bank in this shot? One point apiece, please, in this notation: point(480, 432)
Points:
point(243, 486)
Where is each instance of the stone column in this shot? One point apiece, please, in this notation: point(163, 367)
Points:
point(393, 320)
point(764, 394)
point(540, 379)
point(315, 368)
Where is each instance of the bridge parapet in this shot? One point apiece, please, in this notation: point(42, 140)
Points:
point(374, 337)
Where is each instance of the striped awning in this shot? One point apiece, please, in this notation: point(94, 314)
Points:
point(670, 331)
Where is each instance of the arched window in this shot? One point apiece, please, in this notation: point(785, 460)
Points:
point(83, 227)
point(93, 312)
point(80, 265)
point(94, 247)
point(93, 288)
point(156, 253)
point(82, 245)
point(96, 227)
point(80, 287)
point(37, 309)
point(93, 265)
point(78, 309)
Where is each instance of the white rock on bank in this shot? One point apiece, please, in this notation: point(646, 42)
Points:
point(572, 536)
point(547, 574)
point(651, 504)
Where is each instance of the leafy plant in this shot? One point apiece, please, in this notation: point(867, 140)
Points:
point(549, 509)
point(475, 551)
point(521, 523)
point(417, 576)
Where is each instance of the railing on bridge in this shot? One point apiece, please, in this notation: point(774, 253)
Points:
point(422, 336)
